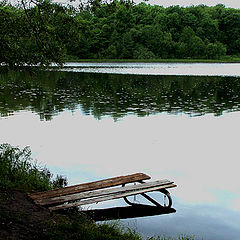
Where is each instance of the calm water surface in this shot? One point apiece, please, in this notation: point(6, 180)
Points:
point(89, 126)
point(190, 69)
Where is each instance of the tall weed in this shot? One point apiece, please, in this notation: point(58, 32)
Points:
point(18, 170)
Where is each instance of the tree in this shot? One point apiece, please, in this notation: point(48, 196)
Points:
point(27, 35)
point(215, 50)
point(40, 32)
point(141, 52)
point(193, 45)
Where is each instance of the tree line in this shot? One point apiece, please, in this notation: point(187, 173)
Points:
point(49, 32)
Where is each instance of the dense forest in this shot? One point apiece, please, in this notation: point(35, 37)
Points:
point(47, 32)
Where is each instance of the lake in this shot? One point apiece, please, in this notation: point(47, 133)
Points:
point(180, 122)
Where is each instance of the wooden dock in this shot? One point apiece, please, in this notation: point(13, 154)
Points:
point(103, 190)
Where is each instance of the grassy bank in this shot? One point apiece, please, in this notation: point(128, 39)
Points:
point(19, 171)
point(20, 218)
point(227, 59)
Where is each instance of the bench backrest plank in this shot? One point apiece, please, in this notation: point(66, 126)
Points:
point(110, 182)
point(111, 196)
point(97, 193)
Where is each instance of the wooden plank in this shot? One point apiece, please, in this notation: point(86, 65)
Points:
point(110, 197)
point(110, 182)
point(97, 193)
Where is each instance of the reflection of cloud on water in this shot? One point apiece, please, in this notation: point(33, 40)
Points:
point(202, 151)
point(203, 221)
point(200, 154)
point(179, 69)
point(236, 204)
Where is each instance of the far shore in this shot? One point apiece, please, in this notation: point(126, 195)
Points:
point(224, 60)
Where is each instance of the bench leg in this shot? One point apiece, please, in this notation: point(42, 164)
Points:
point(164, 191)
point(167, 194)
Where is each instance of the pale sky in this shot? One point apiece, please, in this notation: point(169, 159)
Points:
point(167, 3)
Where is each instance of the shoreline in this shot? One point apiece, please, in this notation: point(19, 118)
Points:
point(233, 60)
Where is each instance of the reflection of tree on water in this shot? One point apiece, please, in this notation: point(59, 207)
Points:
point(48, 93)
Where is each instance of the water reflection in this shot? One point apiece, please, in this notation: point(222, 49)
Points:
point(49, 93)
point(203, 221)
point(200, 154)
point(138, 210)
point(141, 68)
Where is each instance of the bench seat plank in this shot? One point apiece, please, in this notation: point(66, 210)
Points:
point(110, 182)
point(114, 195)
point(97, 193)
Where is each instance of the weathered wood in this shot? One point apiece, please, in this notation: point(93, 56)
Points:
point(110, 182)
point(111, 197)
point(97, 193)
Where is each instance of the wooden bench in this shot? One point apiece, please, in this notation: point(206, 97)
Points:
point(103, 190)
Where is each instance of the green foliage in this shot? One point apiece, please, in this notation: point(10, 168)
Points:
point(143, 53)
point(215, 50)
point(78, 227)
point(29, 36)
point(48, 32)
point(18, 171)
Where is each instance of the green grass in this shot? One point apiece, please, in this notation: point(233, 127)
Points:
point(226, 59)
point(84, 229)
point(19, 171)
